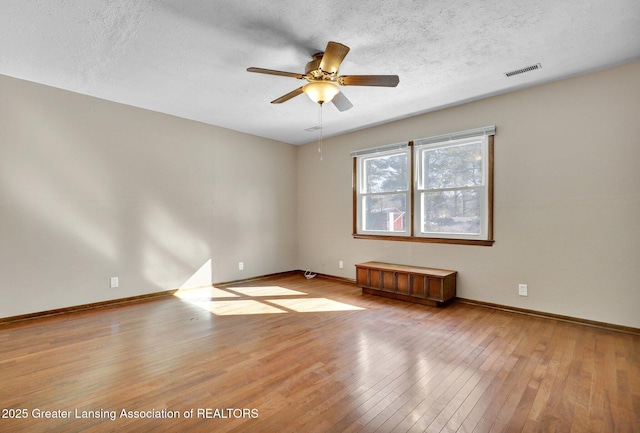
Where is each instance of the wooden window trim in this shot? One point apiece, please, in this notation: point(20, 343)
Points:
point(412, 238)
point(480, 242)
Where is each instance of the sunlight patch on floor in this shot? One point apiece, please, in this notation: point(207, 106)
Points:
point(238, 307)
point(312, 305)
point(204, 293)
point(266, 291)
point(235, 301)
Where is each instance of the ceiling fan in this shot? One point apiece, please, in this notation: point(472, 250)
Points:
point(324, 81)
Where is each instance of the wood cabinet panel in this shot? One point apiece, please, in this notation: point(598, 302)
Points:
point(417, 286)
point(428, 286)
point(402, 283)
point(362, 276)
point(388, 281)
point(375, 280)
point(435, 289)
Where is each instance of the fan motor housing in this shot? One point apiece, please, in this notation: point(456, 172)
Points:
point(314, 64)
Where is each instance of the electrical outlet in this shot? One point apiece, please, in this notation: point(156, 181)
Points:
point(241, 266)
point(341, 264)
point(114, 282)
point(522, 290)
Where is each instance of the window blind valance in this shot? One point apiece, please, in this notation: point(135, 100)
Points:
point(487, 130)
point(385, 148)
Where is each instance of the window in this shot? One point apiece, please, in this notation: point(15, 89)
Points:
point(383, 192)
point(436, 189)
point(451, 189)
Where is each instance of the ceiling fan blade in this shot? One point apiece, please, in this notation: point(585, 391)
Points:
point(333, 57)
point(288, 96)
point(369, 80)
point(274, 72)
point(341, 102)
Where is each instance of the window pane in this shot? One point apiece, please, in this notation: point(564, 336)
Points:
point(451, 212)
point(453, 166)
point(385, 212)
point(385, 174)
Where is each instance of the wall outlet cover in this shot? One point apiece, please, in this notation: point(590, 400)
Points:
point(522, 290)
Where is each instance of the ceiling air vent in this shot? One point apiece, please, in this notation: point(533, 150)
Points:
point(313, 128)
point(523, 70)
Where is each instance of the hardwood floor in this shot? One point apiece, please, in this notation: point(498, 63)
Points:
point(287, 354)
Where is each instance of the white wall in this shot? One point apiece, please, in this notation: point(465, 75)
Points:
point(567, 199)
point(91, 189)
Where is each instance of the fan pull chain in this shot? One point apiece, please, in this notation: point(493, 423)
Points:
point(320, 144)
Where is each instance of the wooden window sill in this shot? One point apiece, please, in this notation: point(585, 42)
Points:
point(485, 243)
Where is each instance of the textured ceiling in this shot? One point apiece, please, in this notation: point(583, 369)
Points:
point(189, 58)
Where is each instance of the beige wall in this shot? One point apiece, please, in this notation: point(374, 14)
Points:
point(567, 199)
point(91, 189)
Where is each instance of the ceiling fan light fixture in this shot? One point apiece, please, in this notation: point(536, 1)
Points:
point(321, 91)
point(324, 81)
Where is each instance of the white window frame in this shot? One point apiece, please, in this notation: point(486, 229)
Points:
point(420, 189)
point(361, 157)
